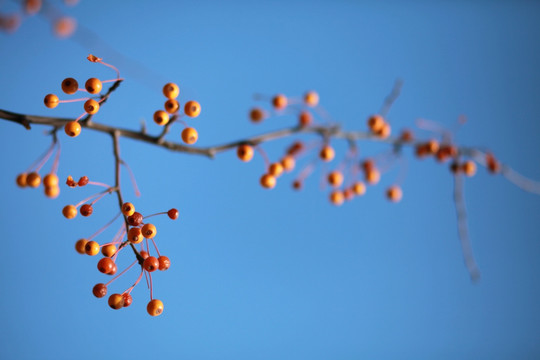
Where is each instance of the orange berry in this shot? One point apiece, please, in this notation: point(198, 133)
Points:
point(244, 152)
point(99, 290)
point(337, 197)
point(21, 180)
point(295, 148)
point(164, 263)
point(385, 131)
point(335, 178)
point(93, 86)
point(128, 209)
point(108, 250)
point(406, 136)
point(91, 248)
point(279, 102)
point(70, 86)
point(135, 235)
point(151, 264)
point(135, 219)
point(327, 153)
point(297, 185)
point(161, 117)
point(116, 301)
point(190, 135)
point(257, 115)
point(91, 106)
point(368, 165)
point(154, 307)
point(275, 169)
point(69, 211)
point(50, 180)
point(144, 254)
point(83, 181)
point(394, 193)
point(33, 179)
point(171, 106)
point(52, 192)
point(86, 210)
point(469, 168)
point(288, 163)
point(192, 108)
point(311, 98)
point(51, 101)
point(72, 128)
point(171, 90)
point(421, 150)
point(80, 246)
point(305, 118)
point(32, 7)
point(105, 265)
point(113, 270)
point(455, 168)
point(268, 181)
point(359, 188)
point(65, 26)
point(348, 194)
point(373, 176)
point(432, 146)
point(376, 123)
point(148, 231)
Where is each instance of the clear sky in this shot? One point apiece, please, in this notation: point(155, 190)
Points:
point(279, 274)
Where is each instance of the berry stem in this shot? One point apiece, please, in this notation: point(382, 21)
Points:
point(38, 164)
point(104, 227)
point(132, 178)
point(264, 156)
point(155, 246)
point(122, 273)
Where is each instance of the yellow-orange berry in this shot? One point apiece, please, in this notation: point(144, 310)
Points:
point(171, 90)
point(384, 132)
point(51, 101)
point(256, 115)
point(190, 135)
point(128, 209)
point(373, 176)
point(327, 153)
point(148, 231)
point(432, 146)
point(244, 152)
point(375, 123)
point(135, 235)
point(154, 307)
point(91, 248)
point(469, 168)
point(116, 301)
point(80, 246)
point(279, 102)
point(275, 169)
point(359, 188)
point(93, 86)
point(268, 181)
point(161, 117)
point(394, 193)
point(337, 197)
point(33, 179)
point(311, 98)
point(305, 118)
point(21, 180)
point(91, 106)
point(108, 250)
point(52, 192)
point(72, 128)
point(192, 108)
point(70, 86)
point(50, 180)
point(69, 211)
point(171, 106)
point(335, 178)
point(288, 163)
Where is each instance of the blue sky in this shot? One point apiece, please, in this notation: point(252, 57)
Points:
point(260, 274)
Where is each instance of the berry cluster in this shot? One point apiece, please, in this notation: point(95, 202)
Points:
point(191, 108)
point(62, 26)
point(32, 179)
point(91, 105)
